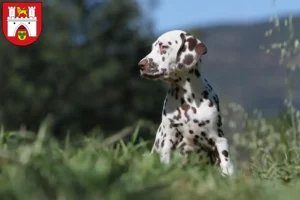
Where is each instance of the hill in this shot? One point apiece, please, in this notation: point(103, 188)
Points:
point(240, 71)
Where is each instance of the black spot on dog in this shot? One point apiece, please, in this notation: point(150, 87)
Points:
point(162, 143)
point(225, 153)
point(203, 134)
point(219, 122)
point(196, 121)
point(220, 133)
point(201, 124)
point(191, 132)
point(188, 79)
point(165, 113)
point(182, 100)
point(157, 143)
point(197, 73)
point(163, 59)
point(205, 94)
point(211, 104)
point(211, 142)
point(193, 95)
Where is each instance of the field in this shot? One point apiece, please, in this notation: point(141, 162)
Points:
point(37, 167)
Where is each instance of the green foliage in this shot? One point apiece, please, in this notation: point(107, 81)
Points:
point(82, 70)
point(90, 168)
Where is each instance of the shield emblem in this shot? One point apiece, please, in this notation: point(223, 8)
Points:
point(22, 35)
point(22, 22)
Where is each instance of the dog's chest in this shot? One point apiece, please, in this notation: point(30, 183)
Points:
point(192, 119)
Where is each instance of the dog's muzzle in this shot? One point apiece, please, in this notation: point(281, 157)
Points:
point(149, 69)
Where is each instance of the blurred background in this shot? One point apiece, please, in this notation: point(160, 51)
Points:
point(83, 68)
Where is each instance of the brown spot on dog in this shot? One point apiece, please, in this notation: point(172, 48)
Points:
point(188, 59)
point(192, 42)
point(180, 65)
point(200, 50)
point(194, 110)
point(179, 114)
point(185, 107)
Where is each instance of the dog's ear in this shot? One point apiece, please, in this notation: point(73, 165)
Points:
point(190, 51)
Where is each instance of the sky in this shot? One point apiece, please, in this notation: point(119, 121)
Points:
point(176, 14)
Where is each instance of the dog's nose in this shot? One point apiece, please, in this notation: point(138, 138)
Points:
point(143, 64)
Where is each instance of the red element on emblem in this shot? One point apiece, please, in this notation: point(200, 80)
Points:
point(22, 22)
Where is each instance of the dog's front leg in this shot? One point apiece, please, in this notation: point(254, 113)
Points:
point(165, 153)
point(225, 161)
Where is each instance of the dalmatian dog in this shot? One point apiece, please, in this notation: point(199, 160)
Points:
point(191, 120)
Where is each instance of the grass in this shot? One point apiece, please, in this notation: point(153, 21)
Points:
point(38, 167)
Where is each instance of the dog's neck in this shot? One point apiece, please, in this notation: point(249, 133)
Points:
point(188, 88)
point(189, 82)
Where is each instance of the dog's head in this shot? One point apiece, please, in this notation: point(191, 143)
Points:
point(173, 52)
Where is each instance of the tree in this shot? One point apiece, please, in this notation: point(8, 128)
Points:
point(83, 69)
